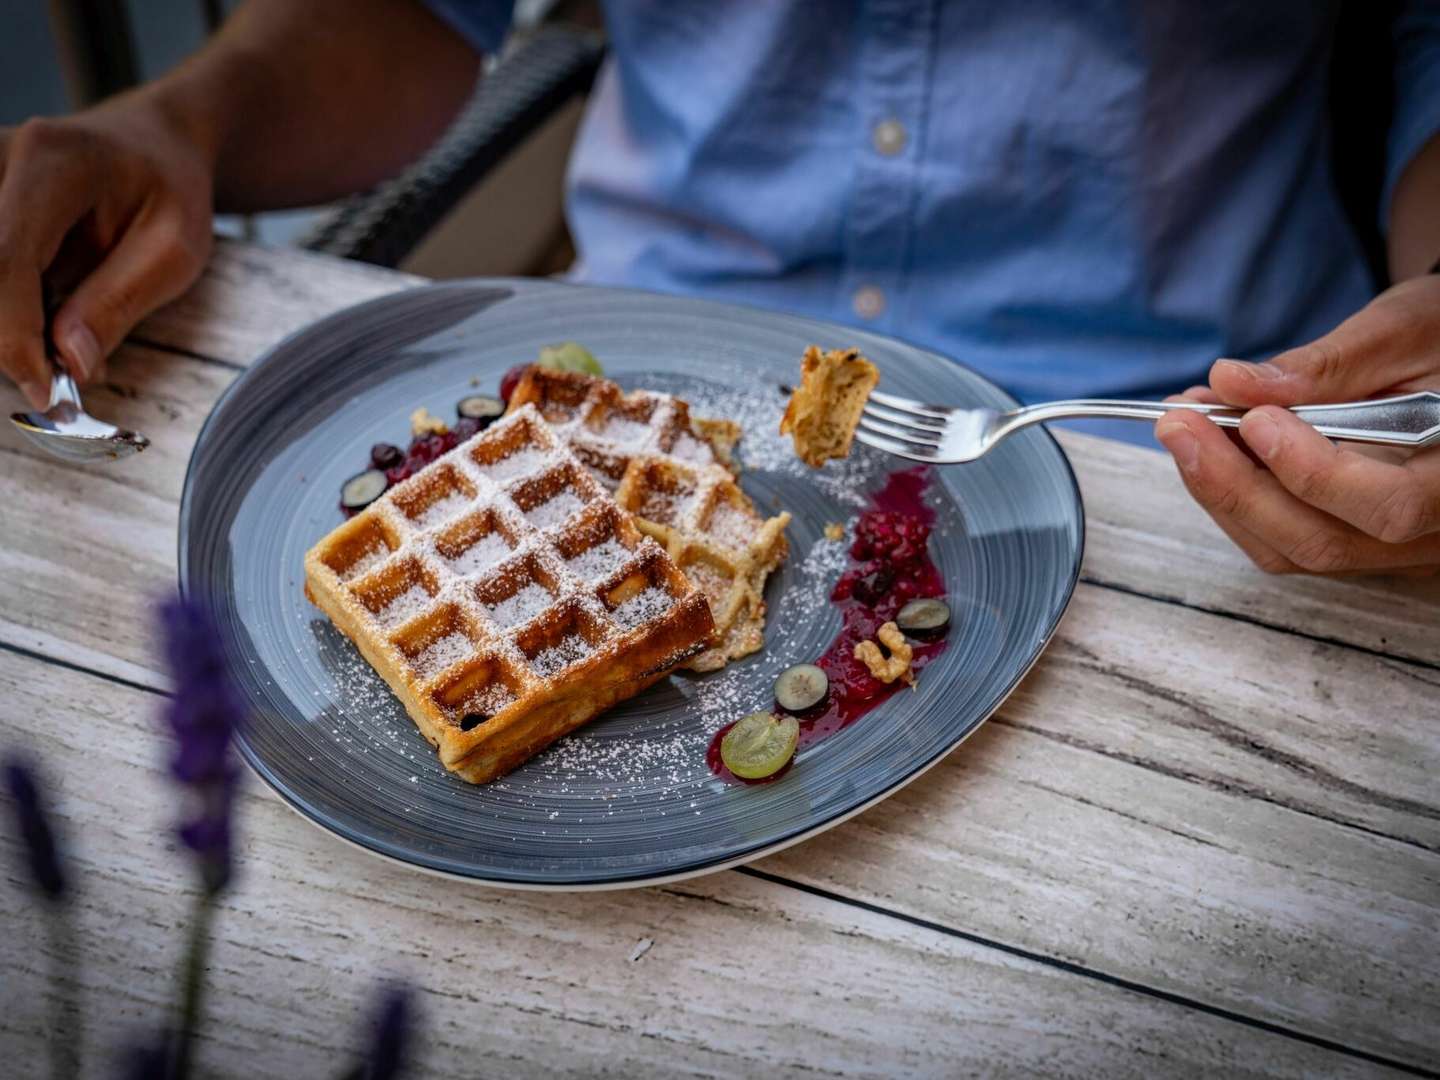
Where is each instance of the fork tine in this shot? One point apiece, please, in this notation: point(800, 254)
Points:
point(910, 420)
point(879, 427)
point(914, 408)
point(892, 446)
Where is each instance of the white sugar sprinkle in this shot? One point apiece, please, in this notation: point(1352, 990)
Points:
point(404, 607)
point(732, 527)
point(441, 653)
point(641, 608)
point(571, 650)
point(594, 563)
point(481, 555)
point(554, 510)
point(366, 562)
point(521, 462)
point(522, 607)
point(442, 509)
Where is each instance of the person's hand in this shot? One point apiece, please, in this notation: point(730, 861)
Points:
point(1292, 499)
point(114, 204)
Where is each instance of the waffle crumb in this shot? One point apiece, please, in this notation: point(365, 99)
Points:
point(824, 409)
point(888, 668)
point(834, 531)
point(424, 422)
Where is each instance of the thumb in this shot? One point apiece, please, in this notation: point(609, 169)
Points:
point(1380, 347)
point(150, 266)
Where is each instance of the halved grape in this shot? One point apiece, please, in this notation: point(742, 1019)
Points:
point(362, 489)
point(801, 687)
point(570, 356)
point(923, 615)
point(480, 407)
point(760, 745)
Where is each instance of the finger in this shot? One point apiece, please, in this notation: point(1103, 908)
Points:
point(1387, 343)
point(151, 265)
point(22, 337)
point(1185, 449)
point(1203, 395)
point(1200, 395)
point(1395, 503)
point(1229, 485)
point(31, 231)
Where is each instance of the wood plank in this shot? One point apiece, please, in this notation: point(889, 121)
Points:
point(1135, 747)
point(1148, 742)
point(741, 976)
point(1104, 818)
point(1146, 534)
point(251, 296)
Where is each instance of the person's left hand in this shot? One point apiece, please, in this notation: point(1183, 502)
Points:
point(1292, 499)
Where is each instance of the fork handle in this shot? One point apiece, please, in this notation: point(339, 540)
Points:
point(1408, 420)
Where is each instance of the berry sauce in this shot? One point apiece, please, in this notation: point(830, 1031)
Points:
point(890, 566)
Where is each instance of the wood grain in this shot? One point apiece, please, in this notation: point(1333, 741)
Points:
point(1205, 794)
point(741, 976)
point(1145, 534)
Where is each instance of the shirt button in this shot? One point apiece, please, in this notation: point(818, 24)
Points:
point(888, 137)
point(869, 302)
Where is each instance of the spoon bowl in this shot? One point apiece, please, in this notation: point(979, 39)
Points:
point(67, 431)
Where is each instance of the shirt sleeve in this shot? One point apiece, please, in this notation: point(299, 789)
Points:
point(1417, 92)
point(483, 23)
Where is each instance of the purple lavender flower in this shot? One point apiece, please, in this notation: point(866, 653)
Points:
point(392, 1029)
point(203, 717)
point(33, 824)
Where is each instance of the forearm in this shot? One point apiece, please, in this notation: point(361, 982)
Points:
point(1414, 237)
point(297, 103)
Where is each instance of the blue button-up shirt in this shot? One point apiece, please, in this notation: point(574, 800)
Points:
point(1077, 199)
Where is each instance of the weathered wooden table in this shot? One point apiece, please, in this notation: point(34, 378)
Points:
point(1202, 837)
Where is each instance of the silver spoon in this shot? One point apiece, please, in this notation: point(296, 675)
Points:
point(67, 431)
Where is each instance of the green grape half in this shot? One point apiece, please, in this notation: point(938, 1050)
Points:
point(759, 745)
point(570, 356)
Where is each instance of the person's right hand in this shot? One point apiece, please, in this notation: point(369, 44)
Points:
point(114, 204)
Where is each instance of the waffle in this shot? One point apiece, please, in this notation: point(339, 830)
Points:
point(824, 410)
point(505, 598)
point(675, 474)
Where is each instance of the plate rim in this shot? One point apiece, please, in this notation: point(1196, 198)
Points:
point(617, 881)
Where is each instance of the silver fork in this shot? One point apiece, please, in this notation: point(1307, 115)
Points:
point(942, 435)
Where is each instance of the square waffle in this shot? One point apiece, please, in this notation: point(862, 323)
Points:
point(505, 598)
point(674, 473)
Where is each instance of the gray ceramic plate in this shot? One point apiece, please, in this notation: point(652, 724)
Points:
point(628, 799)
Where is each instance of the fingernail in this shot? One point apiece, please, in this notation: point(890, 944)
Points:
point(79, 347)
point(1262, 435)
point(1182, 445)
point(1262, 372)
point(36, 393)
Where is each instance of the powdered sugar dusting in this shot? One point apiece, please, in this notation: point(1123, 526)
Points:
point(594, 563)
point(570, 650)
point(441, 653)
point(693, 450)
point(650, 603)
point(404, 607)
point(443, 509)
point(522, 607)
point(487, 701)
point(522, 462)
point(366, 562)
point(481, 555)
point(554, 510)
point(731, 527)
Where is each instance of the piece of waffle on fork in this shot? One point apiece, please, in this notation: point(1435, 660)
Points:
point(674, 473)
point(505, 598)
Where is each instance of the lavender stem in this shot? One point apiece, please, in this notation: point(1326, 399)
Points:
point(193, 981)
